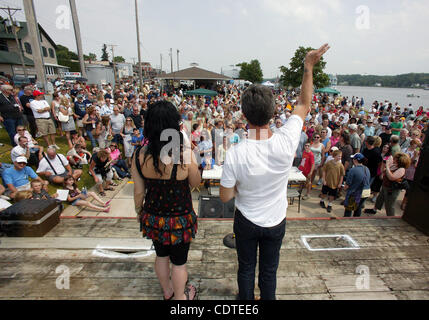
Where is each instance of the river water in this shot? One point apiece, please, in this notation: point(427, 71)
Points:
point(393, 95)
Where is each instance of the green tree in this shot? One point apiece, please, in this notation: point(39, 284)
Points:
point(251, 71)
point(90, 56)
point(119, 59)
point(293, 75)
point(68, 58)
point(104, 54)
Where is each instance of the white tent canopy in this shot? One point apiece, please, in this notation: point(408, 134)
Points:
point(268, 84)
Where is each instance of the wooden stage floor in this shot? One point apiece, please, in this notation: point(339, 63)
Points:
point(392, 262)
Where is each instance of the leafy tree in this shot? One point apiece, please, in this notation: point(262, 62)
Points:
point(119, 59)
point(293, 75)
point(90, 56)
point(251, 71)
point(400, 81)
point(68, 58)
point(104, 55)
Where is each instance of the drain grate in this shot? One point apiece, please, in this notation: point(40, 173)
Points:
point(333, 242)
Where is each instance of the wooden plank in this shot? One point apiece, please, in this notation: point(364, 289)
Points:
point(364, 296)
point(75, 243)
point(350, 284)
point(406, 282)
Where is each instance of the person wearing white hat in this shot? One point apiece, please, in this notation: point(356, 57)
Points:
point(17, 178)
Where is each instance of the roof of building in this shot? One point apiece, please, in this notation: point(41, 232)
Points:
point(194, 73)
point(23, 32)
point(7, 57)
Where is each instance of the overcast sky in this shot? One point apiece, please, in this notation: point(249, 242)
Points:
point(384, 37)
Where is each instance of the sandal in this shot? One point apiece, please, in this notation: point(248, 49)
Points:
point(169, 299)
point(188, 291)
point(109, 189)
point(113, 184)
point(102, 194)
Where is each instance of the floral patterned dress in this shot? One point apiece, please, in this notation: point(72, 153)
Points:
point(168, 216)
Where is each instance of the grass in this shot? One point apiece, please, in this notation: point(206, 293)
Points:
point(85, 181)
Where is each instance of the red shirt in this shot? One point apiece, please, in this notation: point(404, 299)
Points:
point(307, 163)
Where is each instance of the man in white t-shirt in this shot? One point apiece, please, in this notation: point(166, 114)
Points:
point(42, 114)
point(55, 167)
point(256, 173)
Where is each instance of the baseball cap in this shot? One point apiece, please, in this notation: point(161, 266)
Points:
point(21, 159)
point(384, 124)
point(37, 93)
point(358, 156)
point(79, 96)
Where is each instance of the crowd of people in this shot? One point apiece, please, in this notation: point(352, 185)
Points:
point(103, 125)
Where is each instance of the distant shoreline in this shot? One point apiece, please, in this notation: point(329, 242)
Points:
point(348, 85)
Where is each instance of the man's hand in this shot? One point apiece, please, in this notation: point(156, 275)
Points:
point(1, 119)
point(314, 56)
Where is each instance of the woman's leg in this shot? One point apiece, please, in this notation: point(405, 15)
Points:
point(92, 139)
point(96, 198)
point(69, 140)
point(88, 204)
point(162, 269)
point(179, 277)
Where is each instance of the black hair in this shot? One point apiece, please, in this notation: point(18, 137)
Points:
point(258, 105)
point(160, 116)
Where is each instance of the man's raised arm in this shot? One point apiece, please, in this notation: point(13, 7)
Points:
point(312, 58)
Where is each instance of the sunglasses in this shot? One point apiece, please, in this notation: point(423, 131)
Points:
point(316, 137)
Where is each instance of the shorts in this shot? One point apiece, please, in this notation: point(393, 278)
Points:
point(79, 123)
point(330, 192)
point(46, 126)
point(178, 254)
point(51, 178)
point(109, 177)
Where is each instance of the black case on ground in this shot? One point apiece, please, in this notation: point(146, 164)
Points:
point(30, 218)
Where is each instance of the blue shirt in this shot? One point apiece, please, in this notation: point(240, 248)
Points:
point(135, 139)
point(369, 131)
point(18, 178)
point(80, 109)
point(358, 179)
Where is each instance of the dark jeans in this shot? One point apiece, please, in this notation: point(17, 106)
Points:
point(121, 168)
point(92, 139)
point(10, 126)
point(117, 138)
point(358, 212)
point(248, 237)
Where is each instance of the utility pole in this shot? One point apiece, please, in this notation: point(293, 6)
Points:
point(138, 48)
point(14, 30)
point(178, 60)
point(78, 37)
point(171, 59)
point(34, 33)
point(161, 63)
point(112, 47)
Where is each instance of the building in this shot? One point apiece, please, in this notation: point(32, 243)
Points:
point(148, 71)
point(10, 62)
point(333, 80)
point(124, 70)
point(100, 74)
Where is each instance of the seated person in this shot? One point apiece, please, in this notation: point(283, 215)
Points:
point(118, 163)
point(24, 149)
point(17, 178)
point(21, 132)
point(208, 163)
point(78, 156)
point(137, 138)
point(77, 198)
point(23, 195)
point(39, 193)
point(77, 139)
point(55, 167)
point(99, 168)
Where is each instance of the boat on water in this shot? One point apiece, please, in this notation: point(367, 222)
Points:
point(412, 96)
